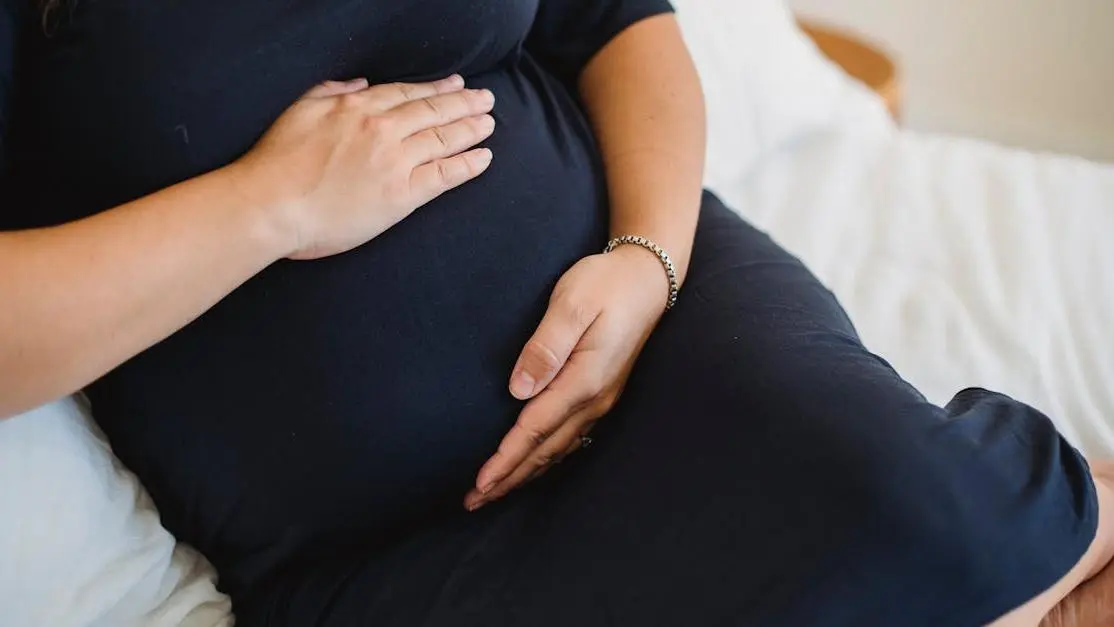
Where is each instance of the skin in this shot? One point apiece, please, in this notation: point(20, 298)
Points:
point(1074, 586)
point(1092, 603)
point(347, 162)
point(342, 165)
point(644, 100)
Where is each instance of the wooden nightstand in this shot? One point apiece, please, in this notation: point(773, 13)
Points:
point(862, 60)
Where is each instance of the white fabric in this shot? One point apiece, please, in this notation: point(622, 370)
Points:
point(764, 82)
point(80, 542)
point(963, 263)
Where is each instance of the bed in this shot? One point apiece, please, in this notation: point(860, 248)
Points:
point(962, 263)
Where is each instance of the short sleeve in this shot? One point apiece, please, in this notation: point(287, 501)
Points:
point(568, 33)
point(11, 21)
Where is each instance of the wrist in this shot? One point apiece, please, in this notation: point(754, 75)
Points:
point(270, 219)
point(676, 240)
point(654, 264)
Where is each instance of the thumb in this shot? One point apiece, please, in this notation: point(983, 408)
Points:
point(549, 349)
point(329, 89)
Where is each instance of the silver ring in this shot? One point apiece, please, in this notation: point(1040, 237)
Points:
point(586, 441)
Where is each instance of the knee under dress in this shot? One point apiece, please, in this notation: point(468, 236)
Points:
point(314, 433)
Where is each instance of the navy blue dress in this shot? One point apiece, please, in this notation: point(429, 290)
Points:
point(314, 433)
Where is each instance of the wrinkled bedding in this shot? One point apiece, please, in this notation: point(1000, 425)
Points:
point(961, 262)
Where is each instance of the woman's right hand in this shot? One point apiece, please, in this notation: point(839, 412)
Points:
point(347, 162)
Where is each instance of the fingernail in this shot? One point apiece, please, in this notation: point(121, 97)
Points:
point(484, 156)
point(522, 385)
point(455, 80)
point(486, 96)
point(357, 81)
point(488, 488)
point(487, 123)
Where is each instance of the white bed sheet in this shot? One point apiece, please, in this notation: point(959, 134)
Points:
point(961, 262)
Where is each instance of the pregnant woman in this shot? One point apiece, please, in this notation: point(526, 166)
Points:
point(341, 330)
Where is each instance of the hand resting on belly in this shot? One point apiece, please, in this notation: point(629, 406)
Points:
point(342, 165)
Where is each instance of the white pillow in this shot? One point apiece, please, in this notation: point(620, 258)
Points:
point(765, 82)
point(80, 541)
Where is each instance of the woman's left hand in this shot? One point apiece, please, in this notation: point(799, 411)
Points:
point(575, 366)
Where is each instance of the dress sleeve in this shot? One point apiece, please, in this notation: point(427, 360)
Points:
point(568, 33)
point(11, 21)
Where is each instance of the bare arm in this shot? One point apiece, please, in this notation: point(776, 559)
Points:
point(341, 166)
point(81, 298)
point(646, 106)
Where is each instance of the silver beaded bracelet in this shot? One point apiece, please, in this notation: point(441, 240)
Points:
point(666, 262)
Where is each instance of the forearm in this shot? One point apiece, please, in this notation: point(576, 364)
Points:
point(81, 298)
point(644, 100)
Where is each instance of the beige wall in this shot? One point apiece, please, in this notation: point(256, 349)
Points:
point(1032, 73)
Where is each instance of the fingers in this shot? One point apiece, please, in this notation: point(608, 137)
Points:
point(445, 141)
point(547, 351)
point(389, 96)
point(329, 89)
point(545, 355)
point(437, 177)
point(565, 441)
point(439, 110)
point(435, 120)
point(540, 420)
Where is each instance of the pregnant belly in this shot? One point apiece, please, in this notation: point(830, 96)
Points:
point(347, 394)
